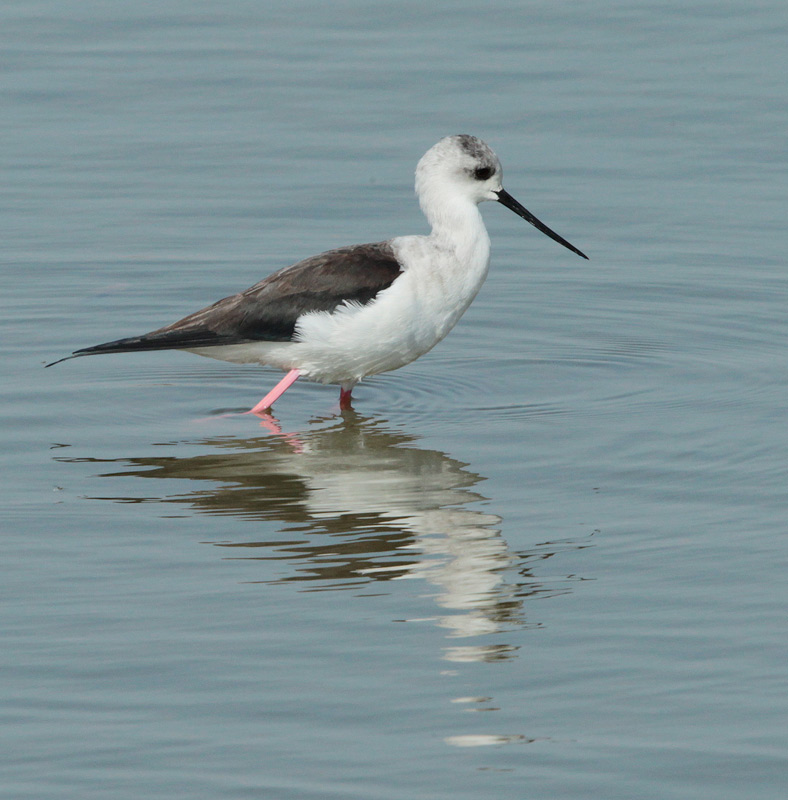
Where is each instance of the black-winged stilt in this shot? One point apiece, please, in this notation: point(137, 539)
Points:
point(368, 308)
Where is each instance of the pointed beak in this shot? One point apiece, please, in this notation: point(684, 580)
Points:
point(505, 199)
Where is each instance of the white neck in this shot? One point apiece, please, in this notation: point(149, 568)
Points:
point(457, 225)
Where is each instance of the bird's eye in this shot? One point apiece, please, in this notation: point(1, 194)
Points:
point(483, 173)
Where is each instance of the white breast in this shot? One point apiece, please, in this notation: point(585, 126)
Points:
point(401, 324)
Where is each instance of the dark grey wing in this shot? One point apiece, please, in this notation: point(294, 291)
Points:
point(269, 310)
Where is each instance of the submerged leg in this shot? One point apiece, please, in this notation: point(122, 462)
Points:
point(276, 392)
point(345, 399)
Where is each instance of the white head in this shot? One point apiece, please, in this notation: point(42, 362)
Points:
point(462, 169)
point(461, 165)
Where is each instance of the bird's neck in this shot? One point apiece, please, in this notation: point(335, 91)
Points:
point(457, 225)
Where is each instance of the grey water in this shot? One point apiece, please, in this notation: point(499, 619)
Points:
point(548, 559)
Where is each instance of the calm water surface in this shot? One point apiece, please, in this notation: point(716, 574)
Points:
point(545, 561)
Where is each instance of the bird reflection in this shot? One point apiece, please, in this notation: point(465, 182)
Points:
point(355, 501)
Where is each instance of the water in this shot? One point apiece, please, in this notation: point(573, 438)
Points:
point(547, 560)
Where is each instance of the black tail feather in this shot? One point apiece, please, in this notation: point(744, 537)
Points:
point(167, 340)
point(136, 343)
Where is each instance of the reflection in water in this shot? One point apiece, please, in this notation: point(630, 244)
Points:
point(485, 740)
point(355, 501)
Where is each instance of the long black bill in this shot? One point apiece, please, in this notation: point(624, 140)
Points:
point(505, 199)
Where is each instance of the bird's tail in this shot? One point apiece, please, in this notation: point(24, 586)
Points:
point(131, 344)
point(165, 339)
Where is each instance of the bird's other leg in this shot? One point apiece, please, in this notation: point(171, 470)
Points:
point(276, 392)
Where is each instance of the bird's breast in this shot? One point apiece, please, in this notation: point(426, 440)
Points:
point(444, 276)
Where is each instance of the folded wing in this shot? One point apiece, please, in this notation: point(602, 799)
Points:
point(270, 310)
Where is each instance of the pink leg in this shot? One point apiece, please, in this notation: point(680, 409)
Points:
point(345, 400)
point(276, 392)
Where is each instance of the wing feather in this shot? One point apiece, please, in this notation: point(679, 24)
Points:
point(269, 310)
